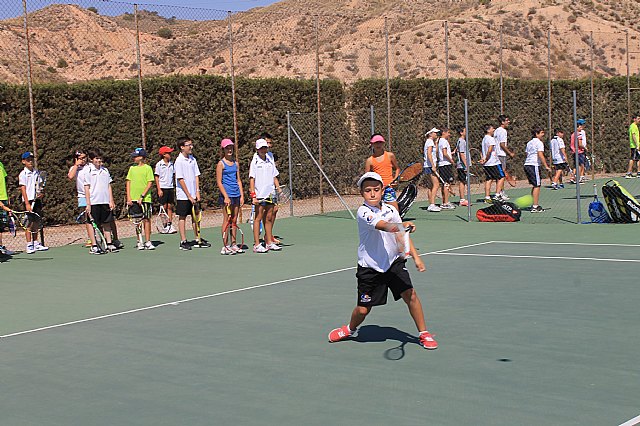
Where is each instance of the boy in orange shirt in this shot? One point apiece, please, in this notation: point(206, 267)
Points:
point(383, 163)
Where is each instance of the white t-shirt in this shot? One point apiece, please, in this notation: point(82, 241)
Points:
point(98, 181)
point(583, 141)
point(263, 172)
point(377, 249)
point(442, 144)
point(556, 154)
point(500, 135)
point(165, 173)
point(28, 179)
point(492, 160)
point(461, 151)
point(429, 162)
point(186, 168)
point(534, 146)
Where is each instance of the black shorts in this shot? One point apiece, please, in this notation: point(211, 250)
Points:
point(147, 210)
point(184, 208)
point(168, 196)
point(234, 201)
point(582, 159)
point(101, 213)
point(373, 285)
point(562, 166)
point(4, 217)
point(36, 206)
point(462, 175)
point(446, 173)
point(634, 155)
point(533, 175)
point(494, 172)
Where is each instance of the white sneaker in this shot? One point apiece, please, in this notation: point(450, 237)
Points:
point(273, 246)
point(149, 246)
point(140, 246)
point(260, 249)
point(172, 229)
point(433, 208)
point(39, 247)
point(6, 251)
point(95, 250)
point(112, 248)
point(226, 250)
point(504, 197)
point(447, 206)
point(30, 249)
point(236, 248)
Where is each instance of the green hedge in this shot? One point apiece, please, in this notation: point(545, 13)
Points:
point(105, 114)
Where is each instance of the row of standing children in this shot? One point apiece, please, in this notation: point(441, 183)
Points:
point(178, 185)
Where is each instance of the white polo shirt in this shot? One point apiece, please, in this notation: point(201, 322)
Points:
point(429, 162)
point(186, 168)
point(377, 249)
point(263, 171)
point(493, 159)
point(534, 146)
point(442, 144)
point(461, 150)
point(98, 181)
point(28, 179)
point(81, 173)
point(165, 173)
point(557, 144)
point(500, 135)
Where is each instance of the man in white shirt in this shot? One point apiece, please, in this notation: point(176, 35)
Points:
point(445, 168)
point(535, 158)
point(491, 164)
point(500, 135)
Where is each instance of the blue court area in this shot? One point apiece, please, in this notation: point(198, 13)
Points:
point(537, 325)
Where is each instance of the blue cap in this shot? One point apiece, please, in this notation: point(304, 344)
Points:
point(139, 152)
point(581, 121)
point(27, 155)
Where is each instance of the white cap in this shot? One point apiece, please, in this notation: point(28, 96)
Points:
point(261, 143)
point(369, 175)
point(434, 130)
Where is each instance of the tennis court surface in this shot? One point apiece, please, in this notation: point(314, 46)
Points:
point(537, 325)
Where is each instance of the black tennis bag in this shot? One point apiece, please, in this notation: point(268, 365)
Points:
point(499, 212)
point(623, 207)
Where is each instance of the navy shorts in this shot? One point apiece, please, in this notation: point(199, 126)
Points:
point(235, 201)
point(494, 172)
point(446, 173)
point(373, 285)
point(533, 175)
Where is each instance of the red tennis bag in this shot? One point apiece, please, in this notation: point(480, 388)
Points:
point(502, 212)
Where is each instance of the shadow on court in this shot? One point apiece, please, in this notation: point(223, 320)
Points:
point(375, 333)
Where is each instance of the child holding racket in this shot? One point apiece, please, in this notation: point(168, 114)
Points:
point(99, 199)
point(381, 267)
point(430, 168)
point(164, 175)
point(187, 193)
point(558, 158)
point(263, 181)
point(535, 158)
point(4, 209)
point(384, 163)
point(231, 193)
point(445, 168)
point(28, 180)
point(139, 180)
point(461, 164)
point(77, 174)
point(502, 150)
point(492, 167)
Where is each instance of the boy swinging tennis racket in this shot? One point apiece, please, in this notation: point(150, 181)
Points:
point(382, 262)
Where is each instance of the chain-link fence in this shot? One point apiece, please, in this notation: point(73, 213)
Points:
point(88, 40)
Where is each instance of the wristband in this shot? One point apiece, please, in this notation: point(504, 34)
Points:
point(253, 194)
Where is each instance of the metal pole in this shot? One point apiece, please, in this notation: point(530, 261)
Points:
point(30, 86)
point(233, 86)
point(593, 121)
point(549, 87)
point(468, 155)
point(575, 145)
point(386, 43)
point(628, 79)
point(373, 120)
point(446, 66)
point(140, 96)
point(501, 79)
point(290, 163)
point(319, 110)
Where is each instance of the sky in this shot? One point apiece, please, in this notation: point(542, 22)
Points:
point(182, 9)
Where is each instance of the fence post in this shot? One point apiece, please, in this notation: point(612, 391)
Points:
point(290, 163)
point(468, 158)
point(593, 121)
point(319, 110)
point(386, 43)
point(140, 96)
point(549, 87)
point(233, 85)
point(628, 79)
point(446, 68)
point(575, 145)
point(373, 119)
point(30, 86)
point(501, 79)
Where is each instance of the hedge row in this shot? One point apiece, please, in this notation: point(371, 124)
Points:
point(105, 114)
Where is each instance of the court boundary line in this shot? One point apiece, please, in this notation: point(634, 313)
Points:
point(522, 256)
point(207, 296)
point(566, 244)
point(631, 422)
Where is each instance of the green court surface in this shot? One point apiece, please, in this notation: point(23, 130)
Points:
point(537, 325)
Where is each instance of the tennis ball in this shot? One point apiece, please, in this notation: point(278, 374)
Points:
point(524, 201)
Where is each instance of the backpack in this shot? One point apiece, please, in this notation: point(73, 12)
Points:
point(500, 212)
point(623, 207)
point(597, 212)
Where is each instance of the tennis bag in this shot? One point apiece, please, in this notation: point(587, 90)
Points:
point(623, 207)
point(499, 212)
point(406, 199)
point(597, 212)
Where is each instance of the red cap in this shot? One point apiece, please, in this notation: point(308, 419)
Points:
point(165, 150)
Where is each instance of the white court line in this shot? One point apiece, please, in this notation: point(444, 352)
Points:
point(177, 302)
point(566, 244)
point(540, 257)
point(632, 422)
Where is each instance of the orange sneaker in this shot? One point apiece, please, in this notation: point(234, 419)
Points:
point(427, 341)
point(338, 334)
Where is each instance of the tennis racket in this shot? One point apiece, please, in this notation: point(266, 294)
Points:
point(409, 173)
point(24, 220)
point(196, 216)
point(162, 221)
point(406, 198)
point(136, 216)
point(476, 156)
point(284, 194)
point(444, 184)
point(41, 182)
point(403, 241)
point(12, 225)
point(226, 233)
point(511, 180)
point(101, 242)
